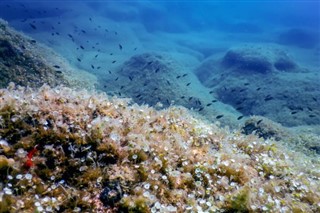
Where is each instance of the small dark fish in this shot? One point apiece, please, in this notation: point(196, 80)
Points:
point(81, 47)
point(242, 90)
point(149, 63)
point(59, 72)
point(135, 49)
point(52, 34)
point(309, 109)
point(56, 66)
point(114, 61)
point(312, 116)
point(92, 66)
point(285, 96)
point(115, 33)
point(259, 121)
point(240, 117)
point(59, 22)
point(182, 97)
point(121, 87)
point(109, 72)
point(213, 101)
point(184, 75)
point(157, 70)
point(33, 41)
point(131, 78)
point(268, 98)
point(239, 108)
point(209, 104)
point(200, 109)
point(178, 77)
point(79, 59)
point(111, 54)
point(294, 112)
point(57, 33)
point(120, 46)
point(70, 36)
point(90, 19)
point(119, 93)
point(96, 56)
point(155, 89)
point(98, 67)
point(168, 82)
point(211, 92)
point(190, 98)
point(138, 96)
point(239, 102)
point(33, 26)
point(188, 84)
point(199, 102)
point(83, 31)
point(233, 90)
point(116, 79)
point(314, 99)
point(168, 102)
point(246, 84)
point(219, 116)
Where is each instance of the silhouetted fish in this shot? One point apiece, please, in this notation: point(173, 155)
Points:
point(219, 116)
point(33, 26)
point(120, 46)
point(81, 47)
point(114, 61)
point(188, 84)
point(268, 98)
point(79, 59)
point(259, 121)
point(240, 117)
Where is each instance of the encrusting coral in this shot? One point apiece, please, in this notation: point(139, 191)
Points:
point(63, 150)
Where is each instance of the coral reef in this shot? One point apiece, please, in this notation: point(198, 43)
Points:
point(66, 150)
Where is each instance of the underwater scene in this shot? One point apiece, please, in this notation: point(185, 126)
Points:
point(159, 106)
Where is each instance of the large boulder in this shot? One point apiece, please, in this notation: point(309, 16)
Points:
point(264, 80)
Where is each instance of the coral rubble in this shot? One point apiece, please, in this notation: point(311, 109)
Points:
point(63, 150)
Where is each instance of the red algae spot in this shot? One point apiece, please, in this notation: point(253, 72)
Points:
point(29, 163)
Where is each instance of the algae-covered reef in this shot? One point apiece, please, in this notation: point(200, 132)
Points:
point(28, 63)
point(63, 150)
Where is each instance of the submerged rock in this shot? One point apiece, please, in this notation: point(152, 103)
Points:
point(27, 63)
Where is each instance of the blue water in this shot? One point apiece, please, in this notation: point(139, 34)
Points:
point(101, 36)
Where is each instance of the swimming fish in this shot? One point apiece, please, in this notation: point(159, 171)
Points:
point(240, 117)
point(33, 26)
point(219, 116)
